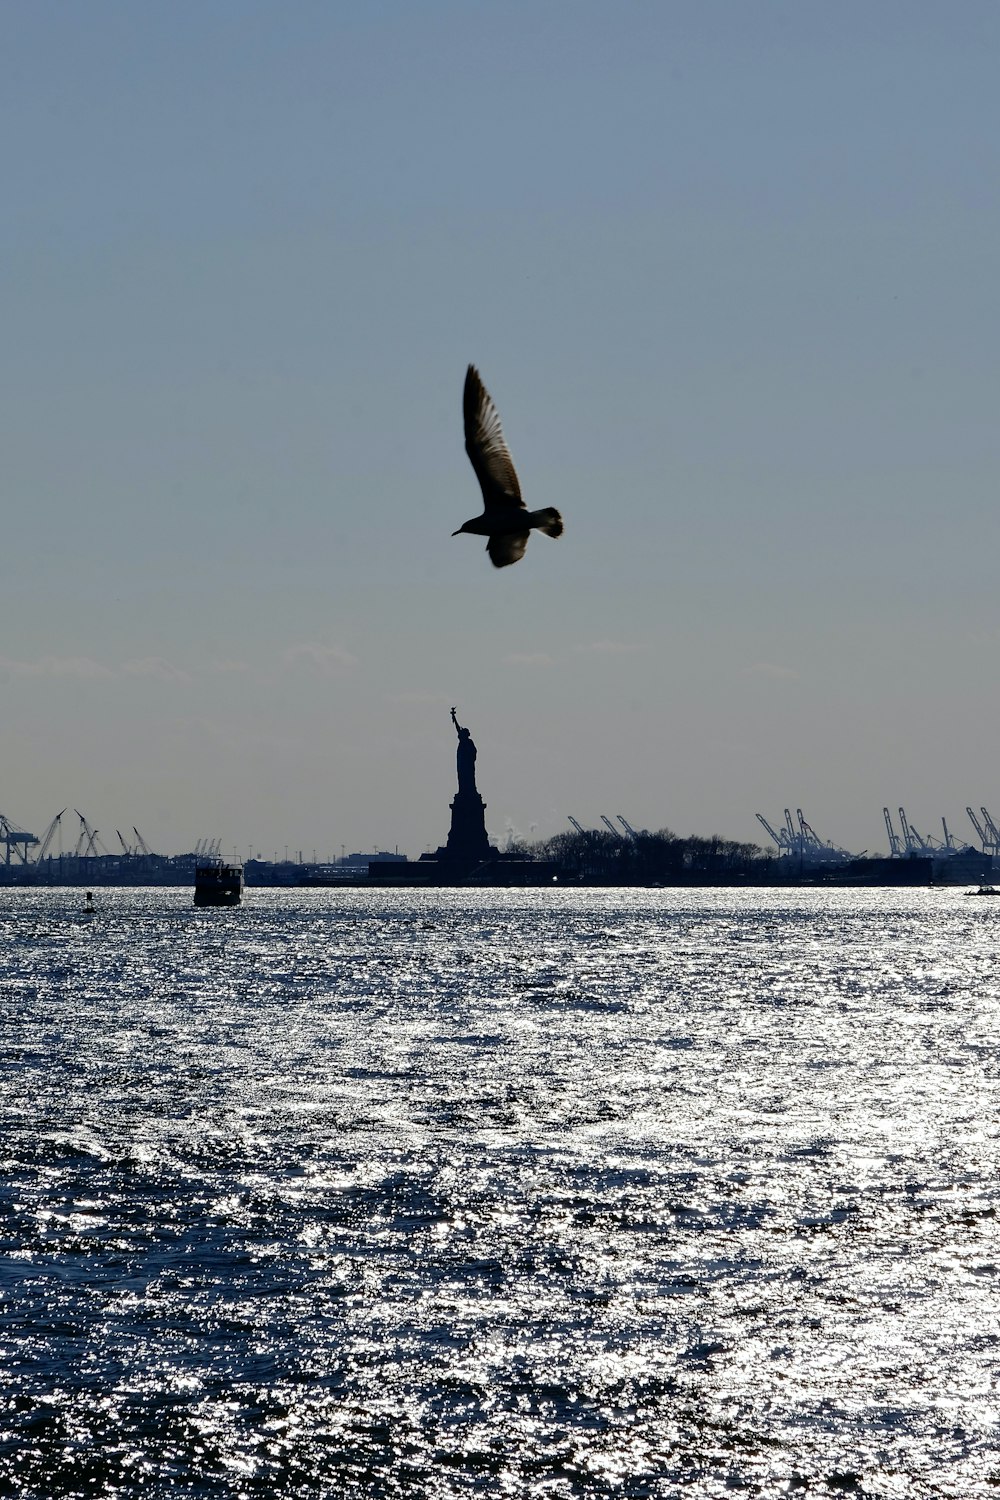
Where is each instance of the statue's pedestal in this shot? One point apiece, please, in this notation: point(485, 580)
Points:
point(468, 842)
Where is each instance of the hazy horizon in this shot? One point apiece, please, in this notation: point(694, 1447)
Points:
point(728, 273)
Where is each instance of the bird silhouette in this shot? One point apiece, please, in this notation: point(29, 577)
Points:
point(505, 520)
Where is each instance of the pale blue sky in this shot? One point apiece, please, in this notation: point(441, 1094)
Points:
point(729, 271)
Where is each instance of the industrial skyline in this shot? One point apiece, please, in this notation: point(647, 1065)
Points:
point(789, 836)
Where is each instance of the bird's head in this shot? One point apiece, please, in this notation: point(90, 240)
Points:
point(465, 526)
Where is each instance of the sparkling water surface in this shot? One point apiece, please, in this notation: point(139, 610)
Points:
point(555, 1193)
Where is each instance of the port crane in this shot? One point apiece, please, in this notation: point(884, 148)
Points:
point(15, 839)
point(895, 843)
point(788, 839)
point(43, 848)
point(923, 844)
point(798, 838)
point(793, 846)
point(781, 839)
point(801, 838)
point(810, 838)
point(988, 846)
point(630, 831)
point(911, 838)
point(992, 830)
point(88, 844)
point(909, 842)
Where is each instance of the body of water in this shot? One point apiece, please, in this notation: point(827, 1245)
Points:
point(514, 1193)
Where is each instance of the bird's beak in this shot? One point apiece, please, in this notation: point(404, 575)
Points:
point(458, 532)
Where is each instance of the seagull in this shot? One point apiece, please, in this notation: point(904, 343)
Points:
point(505, 519)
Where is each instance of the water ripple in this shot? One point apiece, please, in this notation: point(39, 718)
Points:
point(520, 1193)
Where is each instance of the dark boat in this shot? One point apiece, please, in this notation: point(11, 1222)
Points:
point(218, 884)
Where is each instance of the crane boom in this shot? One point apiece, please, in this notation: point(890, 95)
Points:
point(895, 847)
point(910, 836)
point(980, 830)
point(81, 841)
point(47, 837)
point(904, 829)
point(992, 830)
point(810, 838)
point(88, 843)
point(778, 838)
point(916, 843)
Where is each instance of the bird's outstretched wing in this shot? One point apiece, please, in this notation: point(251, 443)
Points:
point(507, 548)
point(488, 452)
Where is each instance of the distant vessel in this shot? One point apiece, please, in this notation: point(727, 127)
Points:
point(218, 884)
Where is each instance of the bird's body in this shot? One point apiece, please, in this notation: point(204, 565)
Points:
point(505, 518)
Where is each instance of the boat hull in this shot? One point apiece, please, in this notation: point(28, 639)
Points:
point(218, 885)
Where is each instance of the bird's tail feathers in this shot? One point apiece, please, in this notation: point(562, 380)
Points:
point(550, 521)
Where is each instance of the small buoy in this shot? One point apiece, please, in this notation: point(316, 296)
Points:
point(90, 901)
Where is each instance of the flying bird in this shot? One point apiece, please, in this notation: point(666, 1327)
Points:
point(505, 518)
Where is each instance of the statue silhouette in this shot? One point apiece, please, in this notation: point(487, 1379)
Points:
point(468, 842)
point(466, 757)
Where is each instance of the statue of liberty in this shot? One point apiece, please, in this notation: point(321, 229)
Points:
point(468, 842)
point(466, 757)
